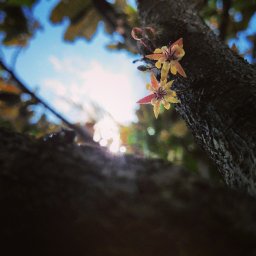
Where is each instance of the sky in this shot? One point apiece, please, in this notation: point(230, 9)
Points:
point(78, 72)
point(241, 41)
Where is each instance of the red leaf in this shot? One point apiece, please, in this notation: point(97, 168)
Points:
point(147, 99)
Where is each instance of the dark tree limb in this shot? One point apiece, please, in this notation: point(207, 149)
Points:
point(59, 199)
point(218, 97)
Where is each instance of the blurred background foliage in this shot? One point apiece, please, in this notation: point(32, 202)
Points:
point(167, 137)
point(17, 109)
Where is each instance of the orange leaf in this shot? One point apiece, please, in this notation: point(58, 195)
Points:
point(179, 42)
point(9, 88)
point(180, 69)
point(154, 56)
point(154, 81)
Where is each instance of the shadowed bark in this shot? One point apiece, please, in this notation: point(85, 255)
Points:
point(59, 199)
point(218, 97)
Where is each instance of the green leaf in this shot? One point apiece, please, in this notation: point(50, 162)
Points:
point(83, 17)
point(73, 10)
point(85, 27)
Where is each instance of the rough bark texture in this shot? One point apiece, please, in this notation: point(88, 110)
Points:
point(218, 97)
point(59, 199)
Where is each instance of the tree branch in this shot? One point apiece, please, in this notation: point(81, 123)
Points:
point(59, 199)
point(218, 101)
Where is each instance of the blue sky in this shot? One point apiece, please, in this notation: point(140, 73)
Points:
point(241, 42)
point(80, 70)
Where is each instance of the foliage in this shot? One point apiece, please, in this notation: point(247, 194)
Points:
point(168, 138)
point(17, 23)
point(17, 110)
point(85, 15)
point(167, 60)
point(240, 14)
point(237, 19)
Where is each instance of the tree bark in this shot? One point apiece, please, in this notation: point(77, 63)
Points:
point(64, 199)
point(218, 97)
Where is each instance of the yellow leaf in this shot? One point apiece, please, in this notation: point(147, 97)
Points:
point(173, 69)
point(158, 64)
point(157, 50)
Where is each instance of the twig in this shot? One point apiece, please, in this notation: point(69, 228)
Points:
point(80, 131)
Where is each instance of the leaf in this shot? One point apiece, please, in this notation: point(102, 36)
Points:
point(147, 99)
point(179, 42)
point(83, 16)
point(154, 56)
point(9, 113)
point(132, 16)
point(154, 81)
point(121, 4)
point(86, 27)
point(9, 94)
point(70, 9)
point(8, 88)
point(180, 69)
point(17, 24)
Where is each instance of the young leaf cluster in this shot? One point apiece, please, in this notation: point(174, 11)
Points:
point(167, 61)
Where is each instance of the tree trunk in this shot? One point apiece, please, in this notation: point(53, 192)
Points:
point(218, 97)
point(62, 199)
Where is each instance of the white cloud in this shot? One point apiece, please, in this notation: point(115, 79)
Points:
point(115, 86)
point(55, 63)
point(55, 86)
